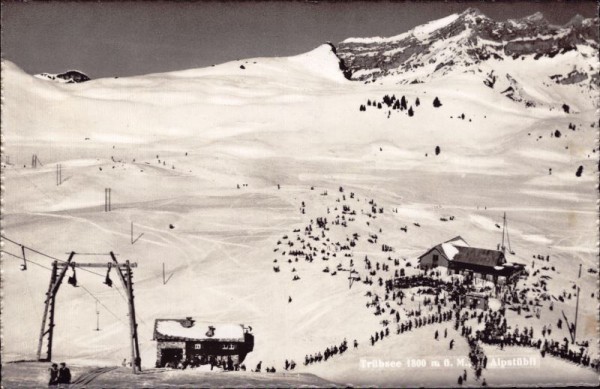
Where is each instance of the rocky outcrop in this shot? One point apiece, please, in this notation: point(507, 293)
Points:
point(69, 77)
point(463, 39)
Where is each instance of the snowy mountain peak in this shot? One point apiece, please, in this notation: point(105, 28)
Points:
point(473, 11)
point(459, 41)
point(578, 21)
point(472, 14)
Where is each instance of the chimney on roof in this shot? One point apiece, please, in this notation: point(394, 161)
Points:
point(211, 331)
point(188, 322)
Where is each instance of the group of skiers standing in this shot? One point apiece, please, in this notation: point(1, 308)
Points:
point(329, 352)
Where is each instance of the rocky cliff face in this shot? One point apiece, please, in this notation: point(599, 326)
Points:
point(69, 77)
point(460, 41)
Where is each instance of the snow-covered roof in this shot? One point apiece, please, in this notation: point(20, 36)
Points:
point(458, 241)
point(450, 250)
point(451, 246)
point(169, 329)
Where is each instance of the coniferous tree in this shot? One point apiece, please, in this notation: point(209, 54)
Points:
point(379, 105)
point(403, 103)
point(417, 102)
point(437, 103)
point(557, 134)
point(579, 171)
point(437, 150)
point(369, 103)
point(388, 100)
point(410, 111)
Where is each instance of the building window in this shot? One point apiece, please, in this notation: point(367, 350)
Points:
point(436, 259)
point(228, 346)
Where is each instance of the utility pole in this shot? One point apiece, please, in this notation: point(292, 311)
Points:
point(58, 174)
point(126, 279)
point(55, 281)
point(35, 160)
point(576, 314)
point(97, 317)
point(503, 228)
point(107, 200)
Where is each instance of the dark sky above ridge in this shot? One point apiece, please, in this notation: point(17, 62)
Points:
point(131, 38)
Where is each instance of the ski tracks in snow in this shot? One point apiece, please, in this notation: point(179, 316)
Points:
point(86, 378)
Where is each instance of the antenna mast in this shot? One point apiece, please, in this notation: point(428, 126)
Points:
point(503, 231)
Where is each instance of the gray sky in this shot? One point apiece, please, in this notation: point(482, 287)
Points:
point(127, 38)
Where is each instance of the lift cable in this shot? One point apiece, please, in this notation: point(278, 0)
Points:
point(46, 255)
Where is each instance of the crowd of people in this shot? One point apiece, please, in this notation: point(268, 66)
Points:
point(447, 298)
point(328, 353)
point(220, 362)
point(496, 332)
point(379, 335)
point(420, 280)
point(424, 320)
point(477, 357)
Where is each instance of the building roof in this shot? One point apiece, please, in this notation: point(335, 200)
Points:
point(477, 256)
point(458, 241)
point(449, 248)
point(457, 250)
point(186, 329)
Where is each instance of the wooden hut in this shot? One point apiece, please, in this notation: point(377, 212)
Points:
point(185, 340)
